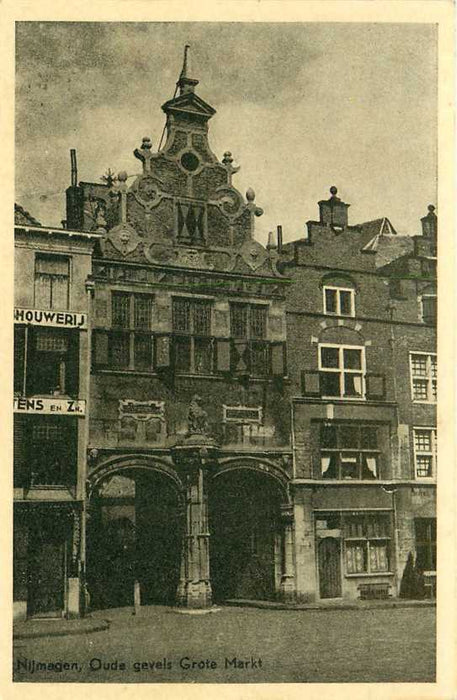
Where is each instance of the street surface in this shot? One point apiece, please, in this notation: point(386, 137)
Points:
point(239, 645)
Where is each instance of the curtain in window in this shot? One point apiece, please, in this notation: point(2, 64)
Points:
point(325, 463)
point(371, 464)
point(355, 558)
point(378, 557)
point(59, 298)
point(42, 291)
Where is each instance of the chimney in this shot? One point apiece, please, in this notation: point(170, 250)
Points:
point(75, 198)
point(333, 212)
point(430, 223)
point(279, 238)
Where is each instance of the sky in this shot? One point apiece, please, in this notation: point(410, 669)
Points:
point(301, 106)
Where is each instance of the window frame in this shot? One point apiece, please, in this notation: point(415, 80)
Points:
point(132, 332)
point(52, 256)
point(367, 540)
point(421, 300)
point(429, 544)
point(358, 451)
point(426, 453)
point(342, 371)
point(192, 336)
point(331, 287)
point(429, 378)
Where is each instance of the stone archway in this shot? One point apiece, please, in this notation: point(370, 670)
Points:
point(134, 533)
point(250, 532)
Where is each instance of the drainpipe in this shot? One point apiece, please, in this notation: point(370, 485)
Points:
point(393, 492)
point(90, 287)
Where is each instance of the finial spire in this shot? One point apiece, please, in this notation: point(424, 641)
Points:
point(186, 83)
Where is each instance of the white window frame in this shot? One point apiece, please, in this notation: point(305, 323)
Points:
point(428, 377)
point(432, 453)
point(342, 371)
point(426, 296)
point(338, 301)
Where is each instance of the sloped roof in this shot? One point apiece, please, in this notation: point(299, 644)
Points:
point(21, 216)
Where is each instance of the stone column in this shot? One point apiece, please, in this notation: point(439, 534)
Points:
point(194, 589)
point(288, 577)
point(74, 569)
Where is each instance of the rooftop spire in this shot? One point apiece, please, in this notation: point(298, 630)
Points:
point(186, 83)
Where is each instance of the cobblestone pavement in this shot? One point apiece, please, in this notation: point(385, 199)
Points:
point(236, 645)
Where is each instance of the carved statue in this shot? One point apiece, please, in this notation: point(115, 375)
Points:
point(197, 417)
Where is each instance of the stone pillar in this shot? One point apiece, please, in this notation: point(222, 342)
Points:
point(194, 589)
point(73, 590)
point(288, 577)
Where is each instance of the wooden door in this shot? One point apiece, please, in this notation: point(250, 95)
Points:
point(330, 568)
point(46, 572)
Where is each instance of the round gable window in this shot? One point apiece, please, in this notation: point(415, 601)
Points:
point(189, 161)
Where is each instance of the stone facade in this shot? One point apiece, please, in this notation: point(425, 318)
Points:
point(209, 463)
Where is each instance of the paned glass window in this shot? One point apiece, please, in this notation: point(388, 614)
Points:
point(423, 368)
point(349, 451)
point(339, 301)
point(425, 452)
point(342, 371)
point(52, 282)
point(192, 341)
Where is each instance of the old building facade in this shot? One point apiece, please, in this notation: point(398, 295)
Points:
point(253, 422)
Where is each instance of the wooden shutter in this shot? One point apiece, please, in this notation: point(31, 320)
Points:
point(310, 383)
point(162, 347)
point(223, 355)
point(100, 348)
point(278, 363)
point(375, 386)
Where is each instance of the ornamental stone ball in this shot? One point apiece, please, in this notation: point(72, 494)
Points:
point(431, 208)
point(122, 176)
point(250, 194)
point(333, 190)
point(146, 143)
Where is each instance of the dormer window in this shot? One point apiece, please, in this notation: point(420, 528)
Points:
point(339, 301)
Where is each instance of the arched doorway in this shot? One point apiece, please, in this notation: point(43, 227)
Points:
point(134, 534)
point(245, 535)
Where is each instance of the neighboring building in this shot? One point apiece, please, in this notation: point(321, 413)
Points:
point(51, 372)
point(209, 465)
point(361, 339)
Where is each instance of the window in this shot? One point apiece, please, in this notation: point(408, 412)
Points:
point(52, 451)
point(130, 340)
point(342, 371)
point(425, 452)
point(367, 540)
point(47, 358)
point(429, 309)
point(52, 277)
point(423, 368)
point(193, 344)
point(339, 301)
point(425, 543)
point(248, 328)
point(349, 451)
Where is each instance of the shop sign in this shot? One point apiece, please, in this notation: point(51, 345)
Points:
point(59, 319)
point(47, 407)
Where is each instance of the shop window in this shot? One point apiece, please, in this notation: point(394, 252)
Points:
point(425, 452)
point(425, 530)
point(349, 451)
point(52, 451)
point(192, 341)
point(429, 309)
point(423, 368)
point(339, 301)
point(52, 282)
point(366, 543)
point(248, 329)
point(52, 362)
point(342, 371)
